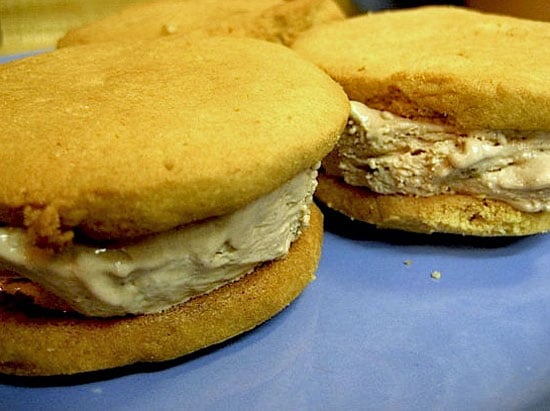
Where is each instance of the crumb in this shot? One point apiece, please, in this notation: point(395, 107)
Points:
point(407, 262)
point(436, 275)
point(45, 229)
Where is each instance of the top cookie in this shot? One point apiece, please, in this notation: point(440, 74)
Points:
point(443, 64)
point(273, 20)
point(125, 139)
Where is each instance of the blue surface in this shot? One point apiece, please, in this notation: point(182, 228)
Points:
point(374, 331)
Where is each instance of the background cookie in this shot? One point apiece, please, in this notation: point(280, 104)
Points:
point(273, 20)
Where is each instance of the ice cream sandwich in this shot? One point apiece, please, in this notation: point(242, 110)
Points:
point(278, 21)
point(156, 197)
point(449, 129)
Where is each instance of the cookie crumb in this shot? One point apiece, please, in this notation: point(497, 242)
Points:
point(407, 262)
point(436, 275)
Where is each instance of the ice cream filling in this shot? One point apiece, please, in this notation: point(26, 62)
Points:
point(389, 154)
point(159, 271)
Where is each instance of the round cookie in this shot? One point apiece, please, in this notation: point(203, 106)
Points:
point(440, 63)
point(49, 343)
point(272, 20)
point(454, 214)
point(121, 140)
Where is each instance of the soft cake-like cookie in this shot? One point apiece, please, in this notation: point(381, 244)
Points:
point(273, 20)
point(450, 123)
point(191, 131)
point(156, 198)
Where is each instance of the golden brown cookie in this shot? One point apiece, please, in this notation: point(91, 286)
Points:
point(273, 20)
point(51, 343)
point(445, 64)
point(121, 140)
point(456, 214)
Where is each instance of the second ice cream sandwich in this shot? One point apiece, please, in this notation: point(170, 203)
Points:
point(450, 123)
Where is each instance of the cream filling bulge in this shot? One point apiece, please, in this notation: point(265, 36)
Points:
point(393, 155)
point(168, 268)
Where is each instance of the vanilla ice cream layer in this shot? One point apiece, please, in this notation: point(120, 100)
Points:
point(169, 268)
point(393, 155)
